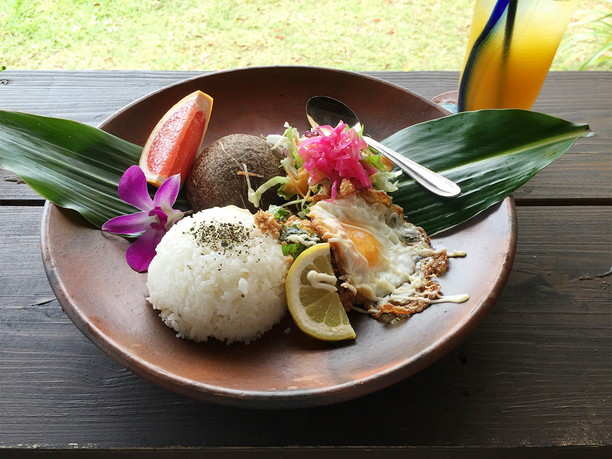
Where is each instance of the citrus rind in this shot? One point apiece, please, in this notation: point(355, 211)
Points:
point(176, 139)
point(317, 312)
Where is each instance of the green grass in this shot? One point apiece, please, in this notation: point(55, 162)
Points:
point(223, 34)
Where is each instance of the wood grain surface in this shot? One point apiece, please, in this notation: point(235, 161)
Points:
point(533, 380)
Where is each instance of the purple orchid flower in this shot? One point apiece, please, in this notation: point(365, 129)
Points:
point(155, 218)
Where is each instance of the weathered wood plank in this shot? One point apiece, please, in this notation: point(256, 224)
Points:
point(585, 173)
point(329, 452)
point(536, 373)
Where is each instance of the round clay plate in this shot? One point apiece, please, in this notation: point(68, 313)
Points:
point(284, 368)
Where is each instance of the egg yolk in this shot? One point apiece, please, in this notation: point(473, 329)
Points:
point(366, 243)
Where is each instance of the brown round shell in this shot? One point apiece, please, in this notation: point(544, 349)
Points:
point(217, 177)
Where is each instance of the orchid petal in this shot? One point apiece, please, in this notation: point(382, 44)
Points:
point(167, 193)
point(161, 219)
point(133, 188)
point(129, 224)
point(142, 251)
point(156, 218)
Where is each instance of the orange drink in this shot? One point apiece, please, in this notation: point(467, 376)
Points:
point(511, 46)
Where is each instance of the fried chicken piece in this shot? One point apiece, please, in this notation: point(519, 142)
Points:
point(266, 222)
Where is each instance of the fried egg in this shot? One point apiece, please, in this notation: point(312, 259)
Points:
point(382, 258)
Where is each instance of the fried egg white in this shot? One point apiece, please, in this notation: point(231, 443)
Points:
point(379, 254)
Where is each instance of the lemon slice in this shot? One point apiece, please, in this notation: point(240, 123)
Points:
point(312, 298)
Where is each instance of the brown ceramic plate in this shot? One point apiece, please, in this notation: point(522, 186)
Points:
point(106, 299)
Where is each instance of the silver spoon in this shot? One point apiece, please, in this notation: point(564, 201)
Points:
point(324, 110)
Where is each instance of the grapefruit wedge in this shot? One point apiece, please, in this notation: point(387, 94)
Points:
point(176, 139)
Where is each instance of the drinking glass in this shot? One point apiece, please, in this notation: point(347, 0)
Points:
point(511, 46)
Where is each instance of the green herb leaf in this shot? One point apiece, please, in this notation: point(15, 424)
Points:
point(488, 153)
point(293, 249)
point(279, 213)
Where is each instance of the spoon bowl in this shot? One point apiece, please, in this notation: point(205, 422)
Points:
point(325, 110)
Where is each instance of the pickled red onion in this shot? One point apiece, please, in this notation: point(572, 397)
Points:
point(335, 154)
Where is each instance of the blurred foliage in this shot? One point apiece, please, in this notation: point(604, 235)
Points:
point(591, 28)
point(364, 35)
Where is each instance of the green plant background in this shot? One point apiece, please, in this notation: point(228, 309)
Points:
point(222, 34)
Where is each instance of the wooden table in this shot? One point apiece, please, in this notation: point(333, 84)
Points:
point(534, 379)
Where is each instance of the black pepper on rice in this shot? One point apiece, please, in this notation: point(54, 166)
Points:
point(222, 237)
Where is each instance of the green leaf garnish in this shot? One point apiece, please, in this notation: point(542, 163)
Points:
point(375, 160)
point(279, 213)
point(293, 249)
point(291, 246)
point(488, 153)
point(68, 163)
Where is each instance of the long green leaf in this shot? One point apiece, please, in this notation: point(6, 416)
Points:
point(488, 153)
point(71, 164)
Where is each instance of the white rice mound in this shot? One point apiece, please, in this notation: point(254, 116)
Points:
point(231, 288)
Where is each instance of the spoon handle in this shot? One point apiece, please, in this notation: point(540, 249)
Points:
point(429, 179)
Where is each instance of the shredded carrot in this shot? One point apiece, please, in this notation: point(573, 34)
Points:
point(298, 184)
point(250, 174)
